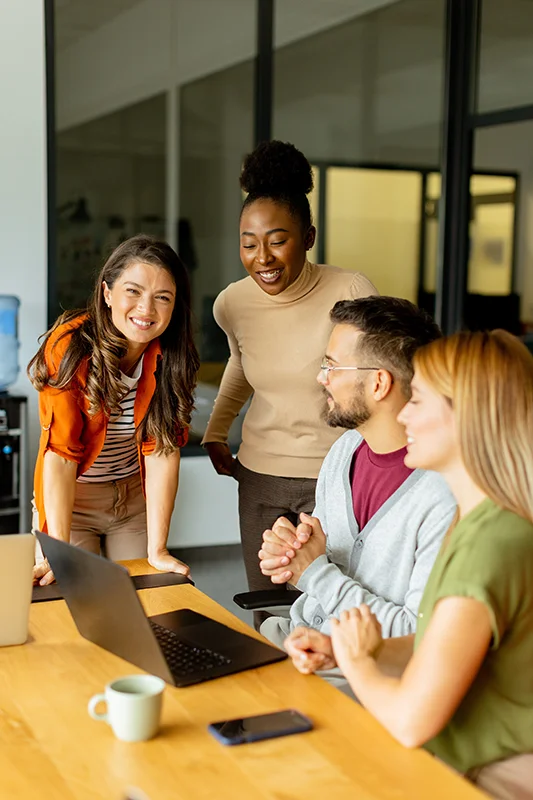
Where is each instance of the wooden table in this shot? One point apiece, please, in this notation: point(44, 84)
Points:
point(50, 747)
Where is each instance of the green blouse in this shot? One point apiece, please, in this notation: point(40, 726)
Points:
point(489, 556)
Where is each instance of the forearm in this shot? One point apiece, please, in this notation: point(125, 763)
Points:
point(395, 654)
point(337, 592)
point(59, 490)
point(380, 694)
point(161, 486)
point(221, 419)
point(419, 704)
point(233, 393)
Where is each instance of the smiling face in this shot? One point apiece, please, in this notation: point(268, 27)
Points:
point(141, 301)
point(273, 245)
point(429, 421)
point(346, 404)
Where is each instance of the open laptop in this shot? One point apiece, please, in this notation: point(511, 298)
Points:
point(17, 556)
point(182, 647)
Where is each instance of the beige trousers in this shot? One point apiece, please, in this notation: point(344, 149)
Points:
point(510, 779)
point(109, 519)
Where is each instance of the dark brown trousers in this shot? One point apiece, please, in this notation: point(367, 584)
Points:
point(262, 499)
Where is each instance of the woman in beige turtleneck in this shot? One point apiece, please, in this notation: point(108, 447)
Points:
point(277, 324)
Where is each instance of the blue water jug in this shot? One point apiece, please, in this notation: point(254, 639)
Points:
point(9, 362)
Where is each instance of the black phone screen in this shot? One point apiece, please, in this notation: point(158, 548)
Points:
point(262, 726)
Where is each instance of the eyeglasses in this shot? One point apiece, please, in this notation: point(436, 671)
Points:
point(325, 369)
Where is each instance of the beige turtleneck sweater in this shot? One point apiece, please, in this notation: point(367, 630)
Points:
point(276, 345)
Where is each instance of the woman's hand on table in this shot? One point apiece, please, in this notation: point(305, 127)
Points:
point(310, 650)
point(42, 574)
point(355, 635)
point(164, 562)
point(221, 458)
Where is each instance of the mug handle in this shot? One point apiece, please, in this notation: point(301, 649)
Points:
point(93, 702)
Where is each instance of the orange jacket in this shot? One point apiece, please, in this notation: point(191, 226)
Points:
point(66, 427)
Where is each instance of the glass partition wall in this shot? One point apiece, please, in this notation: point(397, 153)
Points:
point(216, 131)
point(155, 112)
point(349, 97)
point(111, 184)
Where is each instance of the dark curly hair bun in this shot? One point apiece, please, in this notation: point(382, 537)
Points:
point(276, 169)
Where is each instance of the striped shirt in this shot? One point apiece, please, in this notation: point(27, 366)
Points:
point(119, 456)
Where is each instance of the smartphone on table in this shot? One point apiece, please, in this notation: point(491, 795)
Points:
point(263, 726)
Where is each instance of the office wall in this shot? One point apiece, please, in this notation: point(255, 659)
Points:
point(23, 269)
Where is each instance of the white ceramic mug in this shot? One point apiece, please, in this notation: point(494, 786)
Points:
point(133, 706)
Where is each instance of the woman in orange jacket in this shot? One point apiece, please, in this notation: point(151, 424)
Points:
point(116, 393)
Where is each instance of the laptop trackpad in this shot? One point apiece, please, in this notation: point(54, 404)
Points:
point(197, 629)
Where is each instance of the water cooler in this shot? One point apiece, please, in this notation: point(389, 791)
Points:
point(14, 494)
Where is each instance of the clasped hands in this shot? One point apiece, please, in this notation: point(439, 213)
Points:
point(288, 550)
point(356, 635)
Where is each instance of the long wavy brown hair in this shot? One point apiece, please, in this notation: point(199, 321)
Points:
point(98, 341)
point(488, 380)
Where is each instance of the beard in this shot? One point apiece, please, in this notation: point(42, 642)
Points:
point(351, 417)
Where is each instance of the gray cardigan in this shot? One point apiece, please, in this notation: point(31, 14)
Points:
point(386, 565)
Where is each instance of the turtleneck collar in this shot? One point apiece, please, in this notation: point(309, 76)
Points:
point(304, 283)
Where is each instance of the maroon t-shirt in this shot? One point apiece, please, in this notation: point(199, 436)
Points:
point(374, 478)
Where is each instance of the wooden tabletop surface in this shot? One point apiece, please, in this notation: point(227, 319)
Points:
point(50, 747)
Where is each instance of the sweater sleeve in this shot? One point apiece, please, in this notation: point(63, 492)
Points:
point(362, 287)
point(234, 389)
point(337, 592)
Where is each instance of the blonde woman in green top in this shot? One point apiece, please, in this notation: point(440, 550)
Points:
point(463, 685)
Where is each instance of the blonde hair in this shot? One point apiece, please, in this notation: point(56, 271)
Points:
point(488, 379)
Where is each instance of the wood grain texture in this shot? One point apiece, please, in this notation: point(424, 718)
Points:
point(49, 745)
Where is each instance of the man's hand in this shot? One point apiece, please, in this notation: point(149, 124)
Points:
point(279, 547)
point(221, 457)
point(315, 547)
point(164, 562)
point(42, 574)
point(355, 635)
point(310, 650)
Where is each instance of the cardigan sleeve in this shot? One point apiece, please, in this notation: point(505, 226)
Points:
point(337, 592)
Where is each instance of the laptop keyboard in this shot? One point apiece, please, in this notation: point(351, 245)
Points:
point(186, 659)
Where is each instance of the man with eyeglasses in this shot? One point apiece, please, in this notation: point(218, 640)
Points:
point(377, 525)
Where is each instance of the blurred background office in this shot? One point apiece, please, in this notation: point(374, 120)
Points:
point(135, 115)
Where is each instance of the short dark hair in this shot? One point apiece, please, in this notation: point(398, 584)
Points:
point(393, 331)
